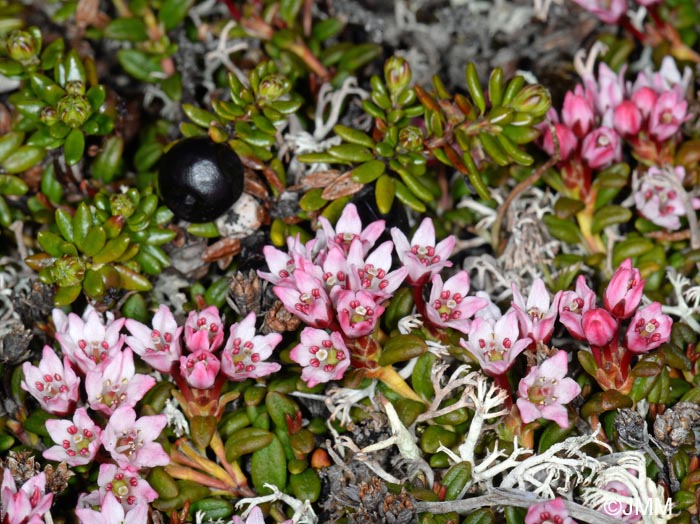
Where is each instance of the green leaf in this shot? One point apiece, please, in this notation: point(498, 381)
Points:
point(51, 243)
point(630, 248)
point(112, 250)
point(326, 29)
point(563, 230)
point(368, 172)
point(74, 147)
point(552, 434)
point(289, 10)
point(407, 197)
point(401, 348)
point(94, 241)
point(172, 86)
point(12, 186)
point(480, 516)
point(474, 87)
point(93, 285)
point(138, 65)
point(609, 216)
point(384, 193)
point(22, 159)
point(199, 116)
point(312, 200)
point(48, 90)
point(354, 136)
point(147, 155)
point(351, 153)
point(172, 12)
point(82, 220)
point(269, 466)
point(66, 295)
point(358, 56)
point(75, 70)
point(131, 280)
point(9, 143)
point(106, 163)
point(64, 222)
point(96, 95)
point(128, 29)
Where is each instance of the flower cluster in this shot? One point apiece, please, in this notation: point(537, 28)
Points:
point(605, 111)
point(658, 196)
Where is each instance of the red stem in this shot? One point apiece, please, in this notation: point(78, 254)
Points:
point(235, 13)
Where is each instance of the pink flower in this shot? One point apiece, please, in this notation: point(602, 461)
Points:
point(550, 512)
point(112, 512)
point(324, 357)
point(117, 384)
point(357, 312)
point(245, 352)
point(624, 292)
point(422, 257)
point(669, 112)
point(54, 385)
point(204, 330)
point(131, 442)
point(644, 99)
point(567, 141)
point(77, 441)
point(495, 344)
point(648, 329)
point(572, 306)
point(349, 228)
point(29, 504)
point(658, 202)
point(608, 11)
point(599, 327)
point(627, 119)
point(536, 316)
point(544, 391)
point(127, 486)
point(608, 90)
point(200, 369)
point(89, 342)
point(449, 306)
point(373, 273)
point(159, 347)
point(308, 300)
point(577, 113)
point(622, 507)
point(282, 265)
point(335, 267)
point(255, 517)
point(601, 147)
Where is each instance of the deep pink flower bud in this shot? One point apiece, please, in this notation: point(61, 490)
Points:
point(648, 329)
point(627, 119)
point(200, 369)
point(599, 327)
point(577, 113)
point(669, 112)
point(624, 292)
point(204, 330)
point(357, 311)
point(567, 141)
point(645, 100)
point(601, 147)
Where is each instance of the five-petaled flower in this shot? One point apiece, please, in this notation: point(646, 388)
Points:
point(324, 356)
point(245, 352)
point(308, 300)
point(54, 384)
point(349, 228)
point(77, 441)
point(204, 330)
point(159, 347)
point(112, 512)
point(131, 441)
point(536, 316)
point(496, 343)
point(422, 257)
point(648, 329)
point(572, 306)
point(449, 306)
point(545, 390)
point(357, 312)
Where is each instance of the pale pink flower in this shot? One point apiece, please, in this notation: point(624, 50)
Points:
point(200, 369)
point(667, 78)
point(495, 344)
point(658, 202)
point(577, 112)
point(622, 507)
point(131, 441)
point(422, 257)
point(550, 512)
point(349, 227)
point(158, 347)
point(357, 312)
point(245, 352)
point(608, 11)
point(323, 356)
point(77, 441)
point(572, 306)
point(89, 342)
point(112, 512)
point(373, 273)
point(126, 486)
point(599, 327)
point(624, 292)
point(608, 90)
point(601, 147)
point(449, 306)
point(255, 517)
point(117, 384)
point(545, 390)
point(53, 384)
point(26, 505)
point(308, 300)
point(283, 265)
point(648, 329)
point(204, 330)
point(336, 269)
point(669, 112)
point(537, 315)
point(627, 118)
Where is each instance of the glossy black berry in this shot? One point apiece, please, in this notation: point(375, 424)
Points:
point(199, 179)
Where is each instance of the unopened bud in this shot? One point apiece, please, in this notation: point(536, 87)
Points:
point(76, 87)
point(273, 87)
point(48, 116)
point(68, 271)
point(23, 47)
point(411, 138)
point(121, 205)
point(397, 73)
point(74, 110)
point(533, 99)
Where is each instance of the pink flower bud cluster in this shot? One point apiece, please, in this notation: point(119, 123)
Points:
point(604, 112)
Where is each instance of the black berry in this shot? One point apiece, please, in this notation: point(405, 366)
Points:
point(199, 179)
